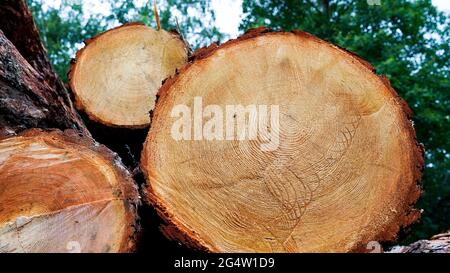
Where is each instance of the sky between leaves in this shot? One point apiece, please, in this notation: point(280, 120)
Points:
point(228, 12)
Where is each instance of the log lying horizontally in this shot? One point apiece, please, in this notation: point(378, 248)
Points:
point(341, 170)
point(60, 193)
point(115, 78)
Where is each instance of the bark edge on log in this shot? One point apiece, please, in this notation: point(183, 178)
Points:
point(16, 20)
point(179, 231)
point(73, 64)
point(127, 190)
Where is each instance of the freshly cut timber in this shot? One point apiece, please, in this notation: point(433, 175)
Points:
point(332, 165)
point(63, 193)
point(115, 78)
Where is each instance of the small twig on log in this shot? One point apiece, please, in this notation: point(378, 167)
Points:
point(155, 10)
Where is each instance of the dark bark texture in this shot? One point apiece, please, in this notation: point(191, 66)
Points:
point(31, 94)
point(437, 244)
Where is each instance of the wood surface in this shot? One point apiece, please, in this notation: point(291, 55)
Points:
point(117, 74)
point(345, 173)
point(60, 192)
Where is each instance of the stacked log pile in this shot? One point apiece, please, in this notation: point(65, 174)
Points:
point(331, 164)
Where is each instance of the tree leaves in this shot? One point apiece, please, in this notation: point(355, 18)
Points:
point(64, 28)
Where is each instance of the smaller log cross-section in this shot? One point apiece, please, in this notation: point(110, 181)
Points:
point(63, 193)
point(115, 78)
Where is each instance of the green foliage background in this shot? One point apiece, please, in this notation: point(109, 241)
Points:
point(406, 40)
point(64, 29)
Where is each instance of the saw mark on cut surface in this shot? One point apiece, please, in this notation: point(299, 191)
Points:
point(294, 205)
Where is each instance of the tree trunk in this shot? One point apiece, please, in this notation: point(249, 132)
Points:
point(437, 244)
point(16, 21)
point(31, 93)
point(331, 163)
point(60, 192)
point(26, 100)
point(115, 78)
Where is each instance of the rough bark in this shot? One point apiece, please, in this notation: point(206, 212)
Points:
point(26, 100)
point(116, 76)
point(345, 173)
point(18, 26)
point(60, 192)
point(437, 244)
point(31, 95)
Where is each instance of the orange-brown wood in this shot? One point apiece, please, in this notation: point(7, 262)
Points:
point(346, 170)
point(115, 78)
point(60, 192)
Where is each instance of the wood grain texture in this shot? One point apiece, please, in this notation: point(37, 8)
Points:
point(59, 189)
point(346, 171)
point(115, 78)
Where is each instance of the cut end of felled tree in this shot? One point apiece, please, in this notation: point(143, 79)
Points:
point(63, 193)
point(115, 78)
point(321, 156)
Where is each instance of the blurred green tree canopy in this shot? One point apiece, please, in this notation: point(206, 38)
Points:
point(406, 40)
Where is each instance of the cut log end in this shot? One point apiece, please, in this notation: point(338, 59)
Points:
point(63, 193)
point(345, 171)
point(115, 78)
